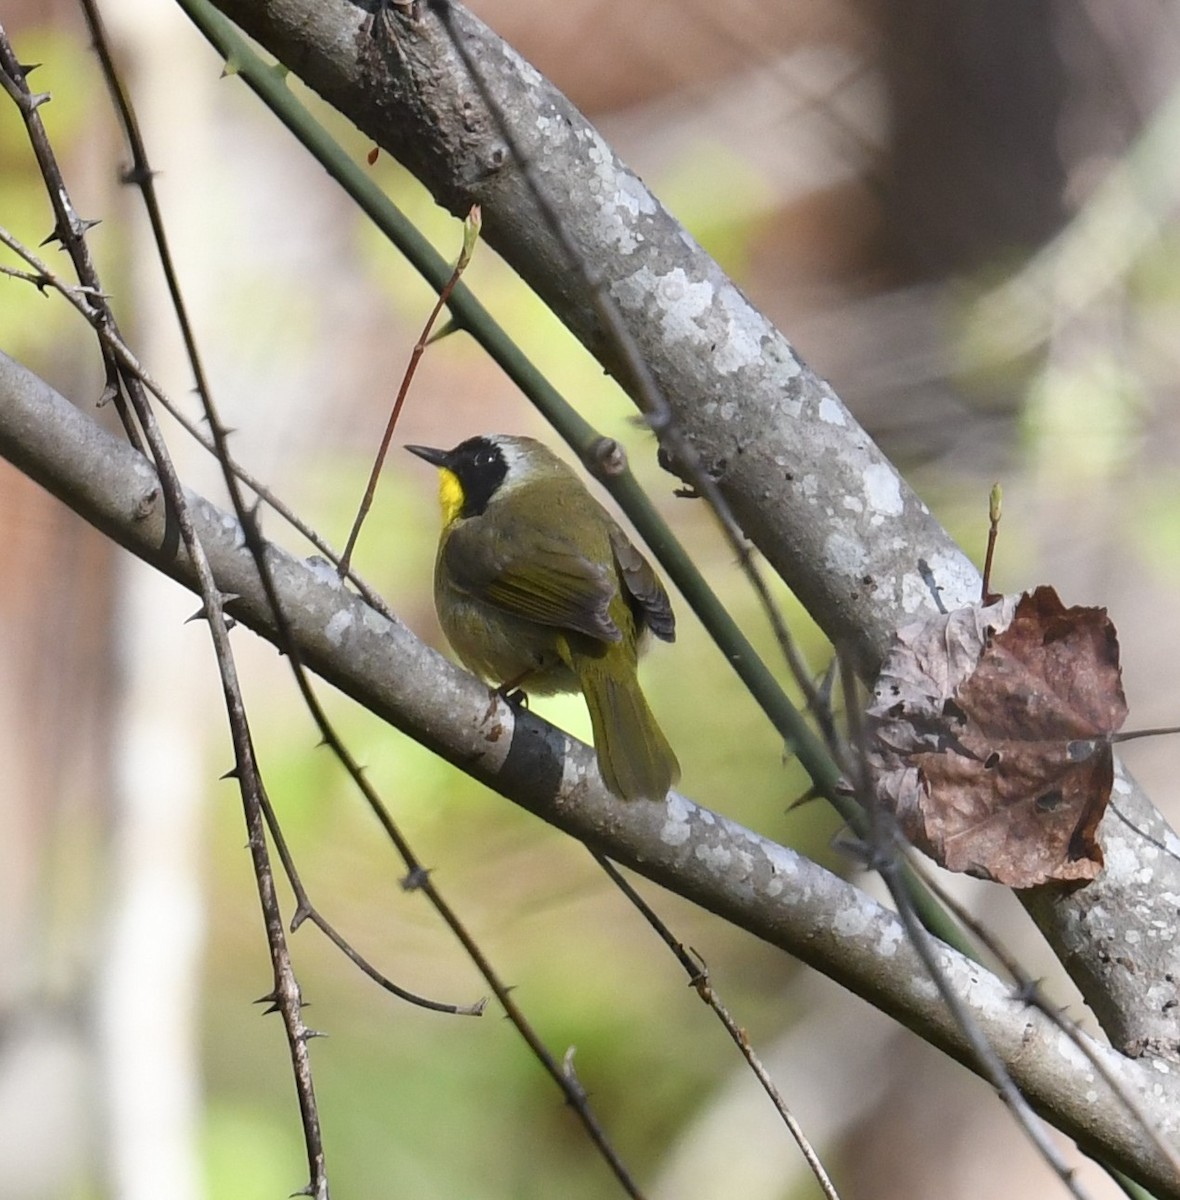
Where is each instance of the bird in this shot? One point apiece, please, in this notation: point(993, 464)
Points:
point(538, 588)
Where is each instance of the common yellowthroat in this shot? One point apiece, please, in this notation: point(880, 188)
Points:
point(537, 587)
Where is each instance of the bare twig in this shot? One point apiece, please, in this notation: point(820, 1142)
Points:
point(699, 981)
point(1030, 991)
point(470, 234)
point(306, 911)
point(285, 996)
point(881, 854)
point(69, 228)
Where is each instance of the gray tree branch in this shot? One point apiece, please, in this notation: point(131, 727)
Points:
point(806, 483)
point(763, 887)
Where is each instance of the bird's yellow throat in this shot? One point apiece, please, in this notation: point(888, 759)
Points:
point(450, 495)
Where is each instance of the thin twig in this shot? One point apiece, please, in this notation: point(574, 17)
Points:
point(143, 177)
point(470, 234)
point(1030, 991)
point(306, 911)
point(69, 229)
point(881, 854)
point(699, 981)
point(285, 996)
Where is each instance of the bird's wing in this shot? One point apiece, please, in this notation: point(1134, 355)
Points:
point(643, 586)
point(550, 581)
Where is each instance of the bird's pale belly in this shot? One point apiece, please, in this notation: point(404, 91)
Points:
point(502, 648)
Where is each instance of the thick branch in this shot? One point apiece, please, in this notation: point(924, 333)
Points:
point(805, 482)
point(763, 887)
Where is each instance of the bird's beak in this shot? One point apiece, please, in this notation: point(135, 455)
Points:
point(438, 458)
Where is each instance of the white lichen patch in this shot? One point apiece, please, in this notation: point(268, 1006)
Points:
point(716, 858)
point(854, 919)
point(339, 625)
point(1123, 862)
point(324, 571)
point(741, 344)
point(633, 197)
point(924, 987)
point(844, 555)
point(783, 863)
point(374, 622)
point(230, 524)
point(952, 573)
point(883, 490)
point(890, 936)
point(676, 829)
point(831, 412)
point(524, 70)
point(679, 301)
point(622, 198)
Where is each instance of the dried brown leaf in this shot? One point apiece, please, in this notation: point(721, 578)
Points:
point(991, 730)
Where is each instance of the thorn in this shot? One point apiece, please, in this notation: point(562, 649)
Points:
point(415, 879)
point(301, 914)
point(808, 796)
point(137, 176)
point(26, 69)
point(232, 773)
point(84, 226)
point(36, 99)
point(308, 1034)
point(1026, 992)
point(109, 393)
point(824, 688)
point(307, 1190)
point(271, 1000)
point(226, 598)
point(444, 330)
